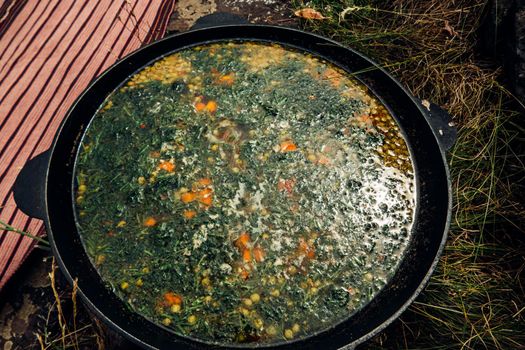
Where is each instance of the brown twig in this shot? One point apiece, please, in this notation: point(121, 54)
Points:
point(61, 319)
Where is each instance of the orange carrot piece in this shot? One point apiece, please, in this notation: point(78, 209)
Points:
point(206, 201)
point(167, 166)
point(172, 299)
point(247, 255)
point(188, 197)
point(258, 254)
point(199, 106)
point(305, 249)
point(205, 196)
point(287, 146)
point(189, 214)
point(310, 254)
point(150, 221)
point(242, 241)
point(211, 106)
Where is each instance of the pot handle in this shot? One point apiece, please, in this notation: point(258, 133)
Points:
point(218, 19)
point(29, 186)
point(441, 123)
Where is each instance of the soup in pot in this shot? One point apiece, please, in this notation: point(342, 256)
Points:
point(243, 192)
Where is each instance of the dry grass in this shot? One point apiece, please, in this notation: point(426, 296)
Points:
point(475, 299)
point(60, 329)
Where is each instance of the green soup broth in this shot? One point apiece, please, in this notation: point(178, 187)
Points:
point(244, 192)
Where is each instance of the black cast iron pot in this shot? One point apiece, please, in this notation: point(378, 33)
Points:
point(44, 189)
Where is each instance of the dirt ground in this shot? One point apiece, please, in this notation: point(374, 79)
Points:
point(274, 12)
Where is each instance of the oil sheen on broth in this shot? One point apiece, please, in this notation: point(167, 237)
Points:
point(243, 192)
